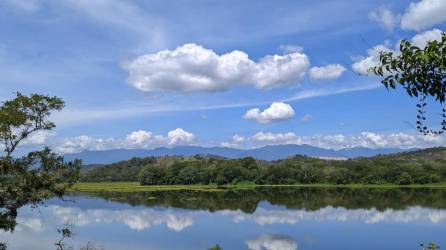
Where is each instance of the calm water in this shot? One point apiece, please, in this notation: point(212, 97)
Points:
point(272, 219)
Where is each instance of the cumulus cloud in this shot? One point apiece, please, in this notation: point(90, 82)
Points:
point(329, 72)
point(340, 141)
point(235, 141)
point(424, 14)
point(37, 138)
point(272, 242)
point(193, 68)
point(385, 17)
point(420, 40)
point(180, 136)
point(137, 139)
point(278, 138)
point(363, 64)
point(278, 111)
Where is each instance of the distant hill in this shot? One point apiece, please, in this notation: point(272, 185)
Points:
point(437, 153)
point(269, 153)
point(415, 167)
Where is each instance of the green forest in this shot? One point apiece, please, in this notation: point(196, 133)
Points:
point(417, 167)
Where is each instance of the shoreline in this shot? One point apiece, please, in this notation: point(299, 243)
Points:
point(136, 187)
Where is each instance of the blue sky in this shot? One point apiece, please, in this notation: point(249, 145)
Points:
point(143, 74)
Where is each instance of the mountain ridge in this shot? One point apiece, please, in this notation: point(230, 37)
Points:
point(269, 152)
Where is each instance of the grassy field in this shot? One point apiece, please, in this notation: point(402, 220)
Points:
point(136, 187)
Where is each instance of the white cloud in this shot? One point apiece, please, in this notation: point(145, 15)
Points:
point(385, 17)
point(37, 138)
point(329, 72)
point(340, 141)
point(277, 111)
point(235, 142)
point(420, 40)
point(193, 68)
point(180, 136)
point(139, 137)
point(363, 65)
point(136, 139)
point(424, 14)
point(272, 242)
point(272, 138)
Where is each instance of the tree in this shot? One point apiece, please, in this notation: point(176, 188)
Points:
point(430, 246)
point(151, 175)
point(421, 72)
point(216, 247)
point(38, 175)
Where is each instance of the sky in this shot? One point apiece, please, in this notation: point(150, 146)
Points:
point(242, 74)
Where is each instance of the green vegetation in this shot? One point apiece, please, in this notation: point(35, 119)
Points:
point(423, 167)
point(421, 72)
point(127, 187)
point(38, 175)
point(216, 247)
point(309, 198)
point(135, 187)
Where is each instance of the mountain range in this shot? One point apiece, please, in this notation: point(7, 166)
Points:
point(271, 152)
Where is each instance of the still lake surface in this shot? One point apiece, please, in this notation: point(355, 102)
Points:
point(264, 218)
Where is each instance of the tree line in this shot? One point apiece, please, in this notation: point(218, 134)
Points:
point(419, 167)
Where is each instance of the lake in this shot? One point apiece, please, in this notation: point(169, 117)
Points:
point(256, 219)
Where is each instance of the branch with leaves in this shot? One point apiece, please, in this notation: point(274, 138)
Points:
point(421, 72)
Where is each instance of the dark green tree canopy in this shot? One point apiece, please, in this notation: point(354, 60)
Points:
point(38, 175)
point(420, 71)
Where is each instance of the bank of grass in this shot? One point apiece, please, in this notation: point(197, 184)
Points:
point(136, 187)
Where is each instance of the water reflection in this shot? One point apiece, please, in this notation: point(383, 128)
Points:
point(369, 216)
point(269, 219)
point(272, 242)
point(134, 219)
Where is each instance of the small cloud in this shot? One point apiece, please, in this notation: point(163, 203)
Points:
point(385, 17)
point(288, 48)
point(362, 65)
point(278, 111)
point(420, 40)
point(329, 72)
point(306, 118)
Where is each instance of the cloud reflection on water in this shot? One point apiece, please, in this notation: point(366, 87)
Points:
point(264, 216)
point(272, 242)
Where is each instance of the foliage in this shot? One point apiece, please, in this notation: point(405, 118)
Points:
point(430, 246)
point(418, 167)
point(38, 175)
point(420, 71)
point(216, 247)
